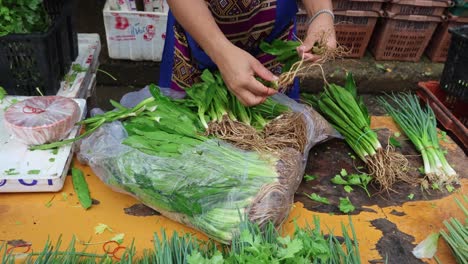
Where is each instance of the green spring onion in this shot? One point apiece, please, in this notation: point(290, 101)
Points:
point(420, 125)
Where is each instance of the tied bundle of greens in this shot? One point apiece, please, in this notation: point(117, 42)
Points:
point(420, 125)
point(270, 126)
point(346, 111)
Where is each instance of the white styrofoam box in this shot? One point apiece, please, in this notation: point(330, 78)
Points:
point(134, 35)
point(156, 6)
point(77, 82)
point(22, 170)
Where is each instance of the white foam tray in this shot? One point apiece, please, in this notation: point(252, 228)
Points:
point(89, 48)
point(15, 156)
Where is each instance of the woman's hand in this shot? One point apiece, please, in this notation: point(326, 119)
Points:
point(239, 70)
point(321, 30)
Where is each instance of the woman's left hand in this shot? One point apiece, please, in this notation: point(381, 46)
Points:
point(320, 30)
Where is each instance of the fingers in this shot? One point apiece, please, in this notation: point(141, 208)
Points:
point(309, 57)
point(249, 99)
point(253, 92)
point(263, 72)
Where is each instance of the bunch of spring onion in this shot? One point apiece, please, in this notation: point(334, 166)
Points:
point(420, 125)
point(347, 113)
point(215, 102)
point(457, 234)
point(456, 237)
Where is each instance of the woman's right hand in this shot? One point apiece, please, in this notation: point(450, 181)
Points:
point(239, 70)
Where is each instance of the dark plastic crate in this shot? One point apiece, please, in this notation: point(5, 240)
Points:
point(451, 112)
point(40, 60)
point(454, 78)
point(438, 48)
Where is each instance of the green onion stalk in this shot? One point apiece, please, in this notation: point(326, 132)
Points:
point(456, 235)
point(349, 116)
point(420, 125)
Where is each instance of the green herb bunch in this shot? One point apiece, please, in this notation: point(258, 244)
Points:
point(23, 16)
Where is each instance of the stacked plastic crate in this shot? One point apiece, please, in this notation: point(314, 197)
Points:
point(456, 16)
point(406, 29)
point(39, 60)
point(355, 21)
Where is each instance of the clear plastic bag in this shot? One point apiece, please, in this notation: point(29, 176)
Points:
point(211, 186)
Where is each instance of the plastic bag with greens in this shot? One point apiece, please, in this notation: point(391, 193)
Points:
point(201, 181)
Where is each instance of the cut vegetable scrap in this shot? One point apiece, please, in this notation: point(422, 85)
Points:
point(346, 206)
point(317, 198)
point(101, 228)
point(81, 188)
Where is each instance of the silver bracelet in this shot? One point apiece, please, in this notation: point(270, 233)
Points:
point(326, 11)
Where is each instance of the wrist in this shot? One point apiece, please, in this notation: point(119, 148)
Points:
point(220, 51)
point(321, 14)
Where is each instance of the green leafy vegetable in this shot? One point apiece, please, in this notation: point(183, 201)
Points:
point(317, 198)
point(308, 177)
point(81, 188)
point(22, 16)
point(346, 206)
point(361, 180)
point(394, 142)
point(348, 188)
point(285, 51)
point(346, 111)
